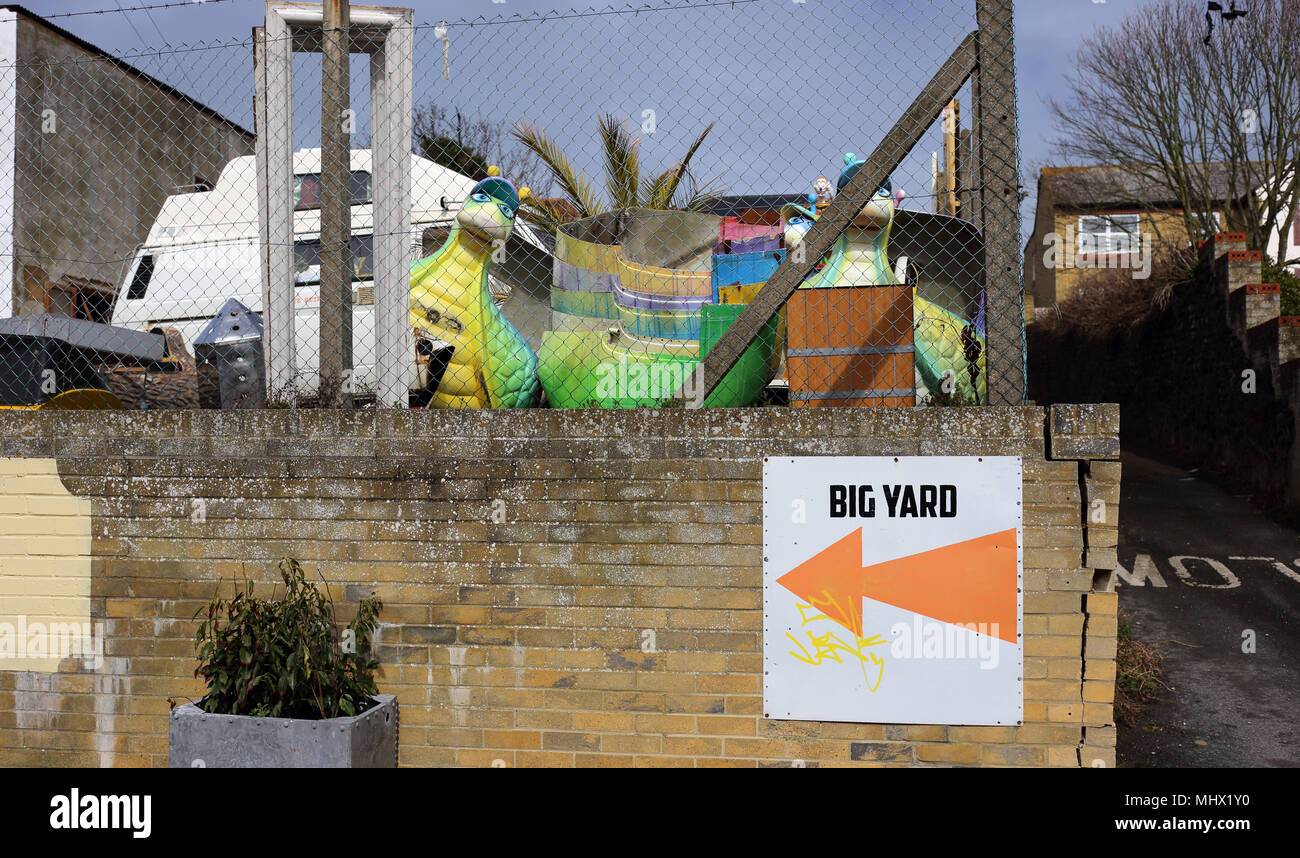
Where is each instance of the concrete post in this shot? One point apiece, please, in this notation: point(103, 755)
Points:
point(273, 60)
point(386, 36)
point(390, 101)
point(998, 152)
point(336, 210)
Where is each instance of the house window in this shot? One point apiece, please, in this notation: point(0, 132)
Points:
point(1103, 234)
point(1215, 219)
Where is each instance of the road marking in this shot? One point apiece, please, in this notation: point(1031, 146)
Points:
point(1287, 570)
point(1277, 564)
point(1144, 569)
point(1180, 569)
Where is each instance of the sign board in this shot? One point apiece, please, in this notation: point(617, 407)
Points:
point(892, 589)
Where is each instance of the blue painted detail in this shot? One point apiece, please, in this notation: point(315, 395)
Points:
point(744, 268)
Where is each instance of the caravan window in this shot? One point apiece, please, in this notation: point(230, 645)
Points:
point(140, 282)
point(306, 260)
point(307, 190)
point(189, 278)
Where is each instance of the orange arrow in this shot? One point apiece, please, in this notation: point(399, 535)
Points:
point(967, 582)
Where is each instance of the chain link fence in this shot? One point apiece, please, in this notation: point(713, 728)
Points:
point(595, 201)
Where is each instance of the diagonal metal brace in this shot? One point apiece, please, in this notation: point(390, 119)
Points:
point(891, 151)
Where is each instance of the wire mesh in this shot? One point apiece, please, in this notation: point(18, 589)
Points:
point(594, 199)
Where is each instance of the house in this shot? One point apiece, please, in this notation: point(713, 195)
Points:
point(90, 147)
point(1292, 248)
point(1100, 217)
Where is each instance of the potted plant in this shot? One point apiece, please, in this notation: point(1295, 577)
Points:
point(286, 686)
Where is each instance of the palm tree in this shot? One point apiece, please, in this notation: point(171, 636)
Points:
point(624, 186)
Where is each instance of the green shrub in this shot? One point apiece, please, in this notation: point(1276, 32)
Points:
point(285, 657)
point(1274, 273)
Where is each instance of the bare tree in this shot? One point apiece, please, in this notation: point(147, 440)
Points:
point(1212, 126)
point(469, 145)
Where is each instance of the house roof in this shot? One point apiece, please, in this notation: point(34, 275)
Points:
point(730, 206)
point(1101, 185)
point(127, 67)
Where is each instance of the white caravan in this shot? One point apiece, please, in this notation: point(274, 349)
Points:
point(203, 249)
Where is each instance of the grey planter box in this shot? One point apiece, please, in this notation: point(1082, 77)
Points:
point(196, 739)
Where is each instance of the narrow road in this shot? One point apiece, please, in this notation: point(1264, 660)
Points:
point(1217, 580)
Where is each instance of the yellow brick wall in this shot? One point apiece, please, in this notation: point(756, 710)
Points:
point(44, 565)
point(560, 589)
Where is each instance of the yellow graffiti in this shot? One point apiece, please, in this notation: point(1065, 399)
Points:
point(830, 646)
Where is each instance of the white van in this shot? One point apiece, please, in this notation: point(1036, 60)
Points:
point(203, 249)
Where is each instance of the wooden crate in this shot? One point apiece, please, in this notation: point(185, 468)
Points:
point(850, 346)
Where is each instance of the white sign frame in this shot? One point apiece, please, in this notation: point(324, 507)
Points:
point(902, 666)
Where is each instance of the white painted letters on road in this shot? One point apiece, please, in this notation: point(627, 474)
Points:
point(1180, 569)
point(1143, 570)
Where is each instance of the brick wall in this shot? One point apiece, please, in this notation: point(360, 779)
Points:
point(527, 562)
point(44, 563)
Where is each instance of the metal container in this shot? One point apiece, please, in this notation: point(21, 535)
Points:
point(232, 344)
point(197, 739)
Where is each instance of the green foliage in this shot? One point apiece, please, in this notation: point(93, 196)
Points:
point(1274, 273)
point(452, 154)
point(676, 188)
point(285, 658)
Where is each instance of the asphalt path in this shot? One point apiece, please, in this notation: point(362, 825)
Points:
point(1231, 585)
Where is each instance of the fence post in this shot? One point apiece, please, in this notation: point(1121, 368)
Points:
point(273, 52)
point(996, 141)
point(391, 72)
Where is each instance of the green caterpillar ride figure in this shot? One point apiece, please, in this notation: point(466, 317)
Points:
point(491, 365)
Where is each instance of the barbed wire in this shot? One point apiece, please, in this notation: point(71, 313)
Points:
point(168, 49)
point(557, 15)
point(141, 8)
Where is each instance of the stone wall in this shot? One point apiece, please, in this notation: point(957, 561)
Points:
point(522, 557)
point(91, 177)
point(1210, 380)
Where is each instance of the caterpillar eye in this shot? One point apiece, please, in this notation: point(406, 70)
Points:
point(480, 198)
point(506, 210)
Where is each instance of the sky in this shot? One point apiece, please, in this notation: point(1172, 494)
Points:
point(864, 61)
